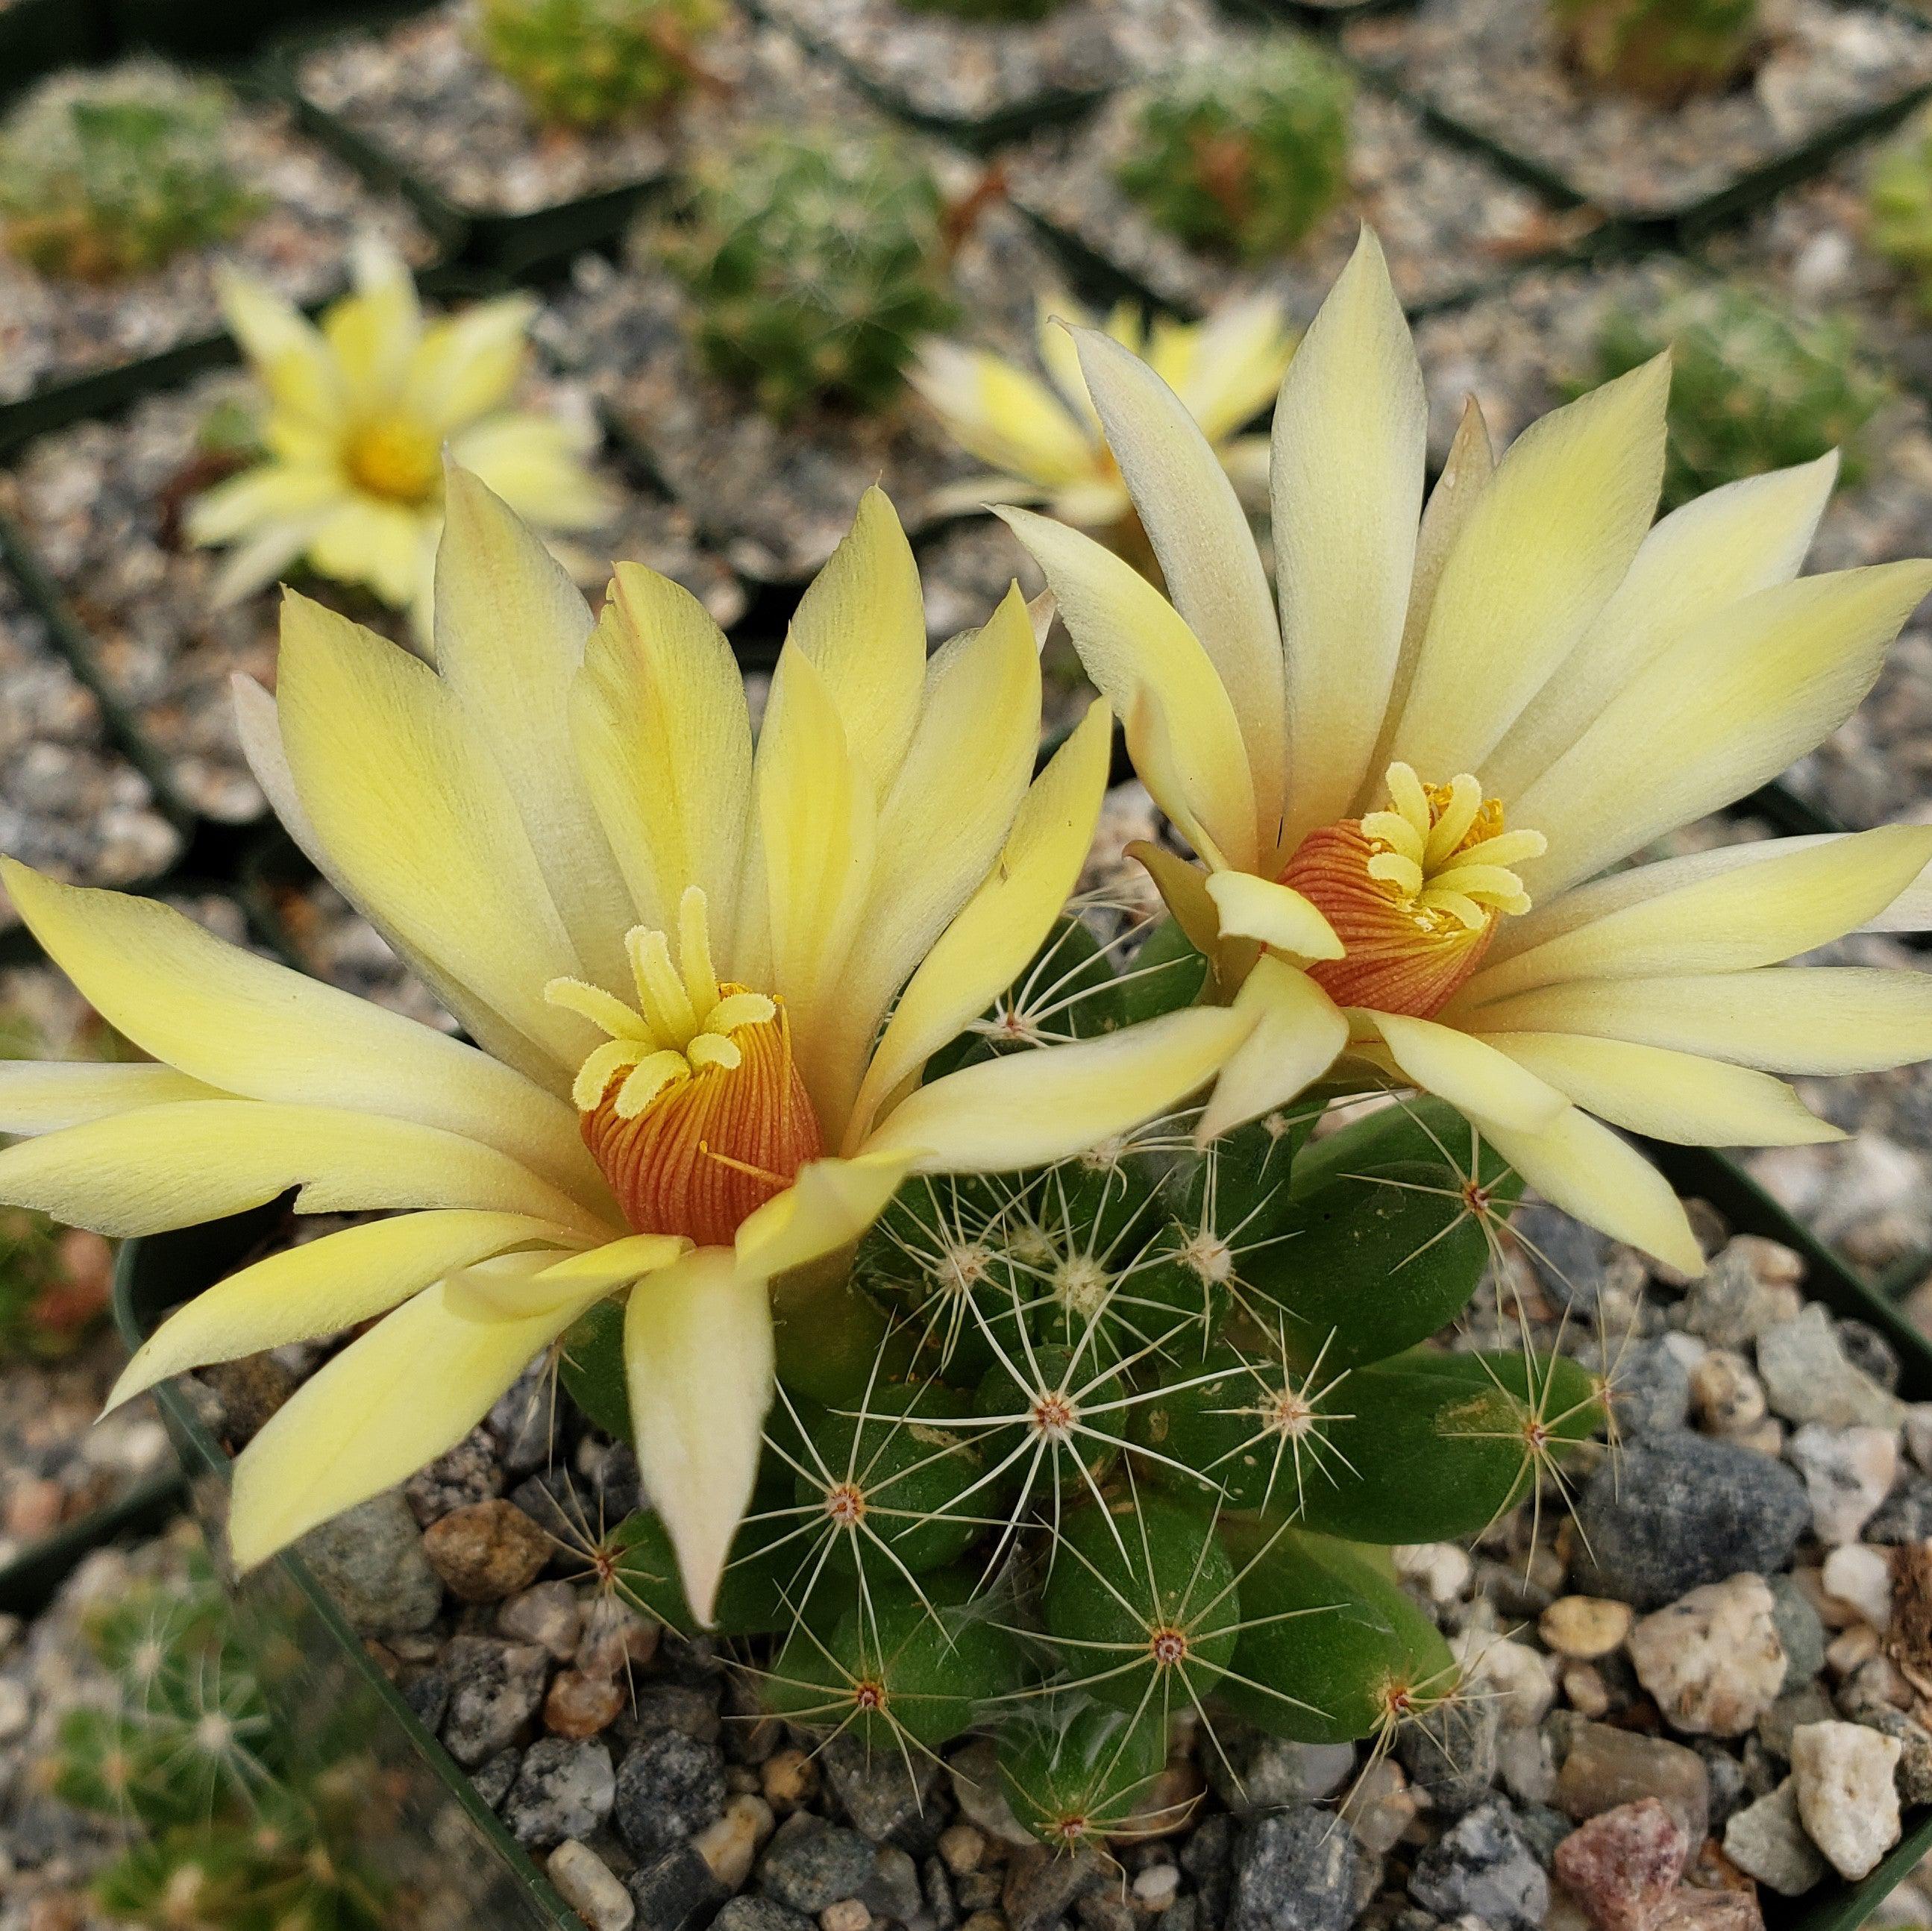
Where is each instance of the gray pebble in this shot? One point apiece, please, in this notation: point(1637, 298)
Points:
point(1905, 1515)
point(1678, 1510)
point(874, 1787)
point(1650, 1391)
point(812, 1864)
point(1484, 1865)
point(492, 1778)
point(676, 1892)
point(1449, 1751)
point(1799, 1630)
point(1294, 1868)
point(669, 1788)
point(371, 1559)
point(760, 1914)
point(494, 1690)
point(564, 1789)
point(467, 1474)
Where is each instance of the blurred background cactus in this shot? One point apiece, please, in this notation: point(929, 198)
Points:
point(109, 174)
point(1753, 388)
point(1141, 1433)
point(1664, 49)
point(588, 63)
point(815, 262)
point(1899, 199)
point(1247, 152)
point(186, 1755)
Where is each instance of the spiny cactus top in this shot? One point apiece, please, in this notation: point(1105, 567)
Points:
point(1246, 152)
point(359, 411)
point(815, 262)
point(1900, 196)
point(1042, 437)
point(705, 981)
point(1402, 789)
point(1664, 49)
point(1752, 389)
point(105, 175)
point(587, 63)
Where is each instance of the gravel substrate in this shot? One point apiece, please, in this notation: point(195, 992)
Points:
point(1493, 68)
point(1449, 221)
point(423, 94)
point(53, 331)
point(100, 505)
point(1718, 1658)
point(966, 73)
point(70, 803)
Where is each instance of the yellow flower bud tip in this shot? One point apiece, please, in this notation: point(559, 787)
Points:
point(693, 1107)
point(1414, 892)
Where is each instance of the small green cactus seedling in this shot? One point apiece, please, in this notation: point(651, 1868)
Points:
point(815, 262)
point(1247, 153)
point(1752, 389)
point(187, 1755)
point(1140, 1433)
point(106, 175)
point(588, 63)
point(1900, 195)
point(1664, 49)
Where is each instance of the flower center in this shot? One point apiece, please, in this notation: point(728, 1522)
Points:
point(1413, 893)
point(693, 1107)
point(395, 459)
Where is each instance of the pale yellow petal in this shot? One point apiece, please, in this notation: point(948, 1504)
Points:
point(1003, 926)
point(322, 1287)
point(1003, 415)
point(698, 1350)
point(285, 349)
point(468, 363)
point(373, 332)
point(1200, 535)
point(381, 544)
point(1299, 1033)
point(391, 1400)
point(862, 621)
point(1789, 902)
point(1547, 543)
point(1786, 1019)
point(43, 1095)
point(1136, 647)
point(828, 1205)
point(1473, 1077)
point(1668, 1096)
point(1228, 368)
point(658, 718)
point(266, 497)
point(173, 1165)
point(1732, 543)
point(536, 463)
point(817, 838)
point(1751, 688)
point(1578, 1165)
point(946, 818)
point(1350, 431)
point(420, 820)
point(1276, 915)
point(510, 633)
point(237, 1021)
point(1026, 1109)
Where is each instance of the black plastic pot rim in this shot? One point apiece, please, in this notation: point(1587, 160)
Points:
point(150, 1270)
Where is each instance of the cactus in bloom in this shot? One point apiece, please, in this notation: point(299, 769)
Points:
point(815, 262)
point(1900, 196)
point(1245, 153)
point(1753, 388)
point(106, 175)
point(186, 1754)
point(1665, 50)
point(1142, 1426)
point(588, 63)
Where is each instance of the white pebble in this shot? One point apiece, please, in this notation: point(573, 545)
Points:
point(1846, 1798)
point(1861, 1576)
point(585, 1883)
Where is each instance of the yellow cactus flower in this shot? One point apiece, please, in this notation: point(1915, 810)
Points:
point(360, 409)
point(703, 979)
point(1409, 791)
point(1041, 437)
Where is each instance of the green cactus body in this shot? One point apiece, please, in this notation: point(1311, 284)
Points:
point(107, 174)
point(1246, 154)
point(233, 1832)
point(1753, 388)
point(589, 63)
point(1664, 49)
point(1156, 1483)
point(815, 262)
point(1899, 194)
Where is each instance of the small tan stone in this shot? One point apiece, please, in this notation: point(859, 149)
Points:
point(848, 1915)
point(1851, 1649)
point(962, 1846)
point(580, 1706)
point(587, 1885)
point(1585, 1690)
point(730, 1846)
point(1585, 1626)
point(1713, 1660)
point(487, 1550)
point(791, 1780)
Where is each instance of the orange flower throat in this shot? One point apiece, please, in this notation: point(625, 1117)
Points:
point(693, 1107)
point(1413, 893)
